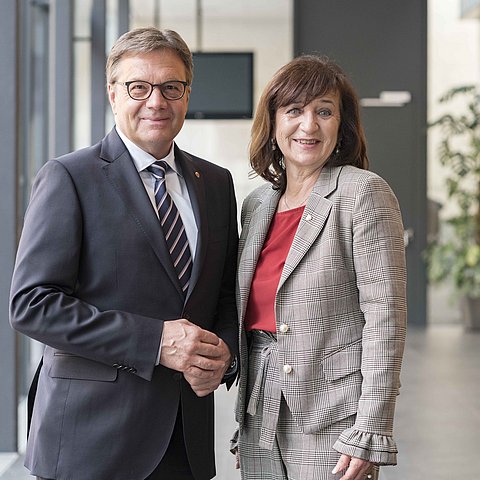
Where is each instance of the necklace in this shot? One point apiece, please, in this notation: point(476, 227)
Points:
point(299, 205)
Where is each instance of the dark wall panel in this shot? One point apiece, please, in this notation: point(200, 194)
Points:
point(382, 47)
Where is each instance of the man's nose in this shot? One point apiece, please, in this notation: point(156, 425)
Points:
point(156, 99)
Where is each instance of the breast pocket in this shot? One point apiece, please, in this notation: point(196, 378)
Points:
point(69, 366)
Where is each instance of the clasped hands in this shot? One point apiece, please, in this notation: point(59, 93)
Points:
point(199, 354)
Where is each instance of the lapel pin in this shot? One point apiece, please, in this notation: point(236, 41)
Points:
point(197, 174)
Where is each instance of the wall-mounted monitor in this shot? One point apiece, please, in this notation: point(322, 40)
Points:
point(222, 85)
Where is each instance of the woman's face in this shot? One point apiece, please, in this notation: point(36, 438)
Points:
point(307, 134)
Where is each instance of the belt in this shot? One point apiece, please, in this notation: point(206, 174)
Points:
point(267, 386)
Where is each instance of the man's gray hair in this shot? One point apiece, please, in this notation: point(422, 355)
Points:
point(144, 40)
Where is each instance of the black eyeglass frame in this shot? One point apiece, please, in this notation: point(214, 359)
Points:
point(152, 86)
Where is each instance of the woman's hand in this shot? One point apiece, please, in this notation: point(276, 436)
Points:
point(355, 468)
point(237, 457)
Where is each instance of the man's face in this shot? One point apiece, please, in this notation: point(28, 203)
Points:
point(151, 124)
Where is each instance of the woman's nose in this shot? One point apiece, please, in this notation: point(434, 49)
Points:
point(309, 122)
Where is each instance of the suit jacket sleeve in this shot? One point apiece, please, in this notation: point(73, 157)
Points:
point(45, 303)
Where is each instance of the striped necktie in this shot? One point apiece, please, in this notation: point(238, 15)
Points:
point(172, 225)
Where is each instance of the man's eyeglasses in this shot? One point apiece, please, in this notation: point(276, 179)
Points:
point(141, 90)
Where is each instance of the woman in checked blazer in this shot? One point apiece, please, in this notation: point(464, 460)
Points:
point(321, 288)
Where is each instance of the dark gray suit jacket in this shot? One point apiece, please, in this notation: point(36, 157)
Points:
point(94, 282)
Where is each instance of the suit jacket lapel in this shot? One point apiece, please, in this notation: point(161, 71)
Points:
point(196, 190)
point(122, 174)
point(254, 237)
point(313, 220)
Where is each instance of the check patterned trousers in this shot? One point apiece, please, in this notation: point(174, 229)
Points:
point(288, 453)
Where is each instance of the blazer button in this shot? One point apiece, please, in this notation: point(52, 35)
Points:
point(308, 217)
point(283, 328)
point(287, 369)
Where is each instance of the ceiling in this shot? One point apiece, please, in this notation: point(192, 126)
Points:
point(218, 8)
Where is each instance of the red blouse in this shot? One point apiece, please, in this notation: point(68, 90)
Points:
point(260, 314)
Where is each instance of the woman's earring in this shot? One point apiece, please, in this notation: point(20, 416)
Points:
point(337, 148)
point(273, 144)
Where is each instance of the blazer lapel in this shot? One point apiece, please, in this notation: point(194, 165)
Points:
point(122, 174)
point(313, 220)
point(254, 237)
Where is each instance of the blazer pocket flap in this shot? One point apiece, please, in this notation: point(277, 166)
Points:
point(79, 368)
point(343, 362)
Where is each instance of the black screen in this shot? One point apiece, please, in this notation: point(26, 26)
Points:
point(222, 85)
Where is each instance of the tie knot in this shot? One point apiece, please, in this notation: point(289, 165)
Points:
point(158, 168)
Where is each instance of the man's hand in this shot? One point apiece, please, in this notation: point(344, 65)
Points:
point(205, 381)
point(199, 354)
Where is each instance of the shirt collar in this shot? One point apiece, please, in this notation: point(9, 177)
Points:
point(143, 159)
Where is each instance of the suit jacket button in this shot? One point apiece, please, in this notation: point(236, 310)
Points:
point(308, 217)
point(283, 328)
point(287, 369)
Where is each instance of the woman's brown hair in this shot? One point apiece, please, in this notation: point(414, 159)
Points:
point(300, 81)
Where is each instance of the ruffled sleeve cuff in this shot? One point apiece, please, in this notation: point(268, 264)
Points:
point(378, 449)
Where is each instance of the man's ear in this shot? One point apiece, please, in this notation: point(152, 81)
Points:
point(111, 96)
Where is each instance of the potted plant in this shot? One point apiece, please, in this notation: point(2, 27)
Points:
point(455, 254)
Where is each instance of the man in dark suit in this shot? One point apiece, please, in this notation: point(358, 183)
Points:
point(139, 329)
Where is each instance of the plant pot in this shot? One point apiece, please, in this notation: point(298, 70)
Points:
point(471, 312)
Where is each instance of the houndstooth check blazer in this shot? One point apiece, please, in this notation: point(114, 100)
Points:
point(342, 294)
